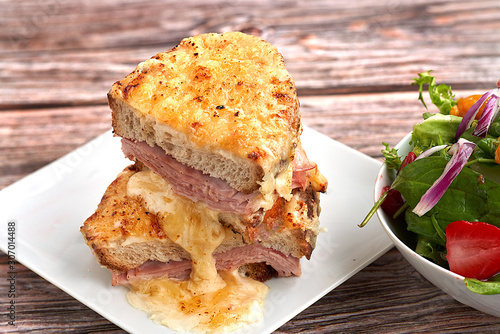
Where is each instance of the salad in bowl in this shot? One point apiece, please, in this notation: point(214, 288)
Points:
point(444, 189)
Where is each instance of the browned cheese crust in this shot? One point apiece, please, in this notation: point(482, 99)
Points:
point(226, 91)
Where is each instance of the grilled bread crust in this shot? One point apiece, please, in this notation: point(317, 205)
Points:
point(221, 103)
point(122, 234)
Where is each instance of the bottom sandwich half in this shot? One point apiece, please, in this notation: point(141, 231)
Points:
point(179, 257)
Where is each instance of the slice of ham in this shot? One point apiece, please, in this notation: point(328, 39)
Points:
point(190, 182)
point(197, 186)
point(285, 265)
point(301, 165)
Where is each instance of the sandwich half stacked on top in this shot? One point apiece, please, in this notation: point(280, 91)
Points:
point(220, 183)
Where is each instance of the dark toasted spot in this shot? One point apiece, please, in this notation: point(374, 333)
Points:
point(283, 98)
point(127, 89)
point(202, 73)
point(156, 227)
point(196, 125)
point(254, 155)
point(123, 227)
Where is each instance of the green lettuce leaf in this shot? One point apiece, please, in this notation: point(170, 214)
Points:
point(392, 160)
point(441, 95)
point(490, 287)
point(436, 130)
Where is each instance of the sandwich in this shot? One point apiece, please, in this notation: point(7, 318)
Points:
point(220, 194)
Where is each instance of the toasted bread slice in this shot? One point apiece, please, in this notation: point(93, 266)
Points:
point(220, 103)
point(123, 234)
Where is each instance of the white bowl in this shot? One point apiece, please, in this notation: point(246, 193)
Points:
point(451, 283)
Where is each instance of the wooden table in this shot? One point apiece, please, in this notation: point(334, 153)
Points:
point(353, 62)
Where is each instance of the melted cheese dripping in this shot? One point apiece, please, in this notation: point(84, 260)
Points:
point(169, 303)
point(208, 301)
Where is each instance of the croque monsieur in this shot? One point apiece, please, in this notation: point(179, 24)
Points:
point(220, 194)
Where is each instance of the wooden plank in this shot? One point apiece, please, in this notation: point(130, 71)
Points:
point(30, 139)
point(346, 50)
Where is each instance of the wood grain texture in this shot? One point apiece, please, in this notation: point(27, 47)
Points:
point(353, 62)
point(51, 55)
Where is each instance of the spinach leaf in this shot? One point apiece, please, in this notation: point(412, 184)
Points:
point(430, 250)
point(470, 196)
point(423, 226)
point(487, 148)
point(436, 130)
point(495, 127)
point(490, 171)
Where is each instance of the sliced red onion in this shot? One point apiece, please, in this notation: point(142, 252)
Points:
point(461, 151)
point(488, 115)
point(471, 113)
point(430, 151)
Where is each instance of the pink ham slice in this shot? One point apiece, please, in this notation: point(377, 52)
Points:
point(301, 165)
point(195, 185)
point(190, 182)
point(285, 265)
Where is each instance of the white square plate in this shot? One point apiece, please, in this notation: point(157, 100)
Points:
point(49, 206)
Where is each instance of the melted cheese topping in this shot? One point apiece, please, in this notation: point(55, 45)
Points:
point(282, 183)
point(209, 301)
point(224, 92)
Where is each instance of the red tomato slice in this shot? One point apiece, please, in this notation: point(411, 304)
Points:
point(473, 249)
